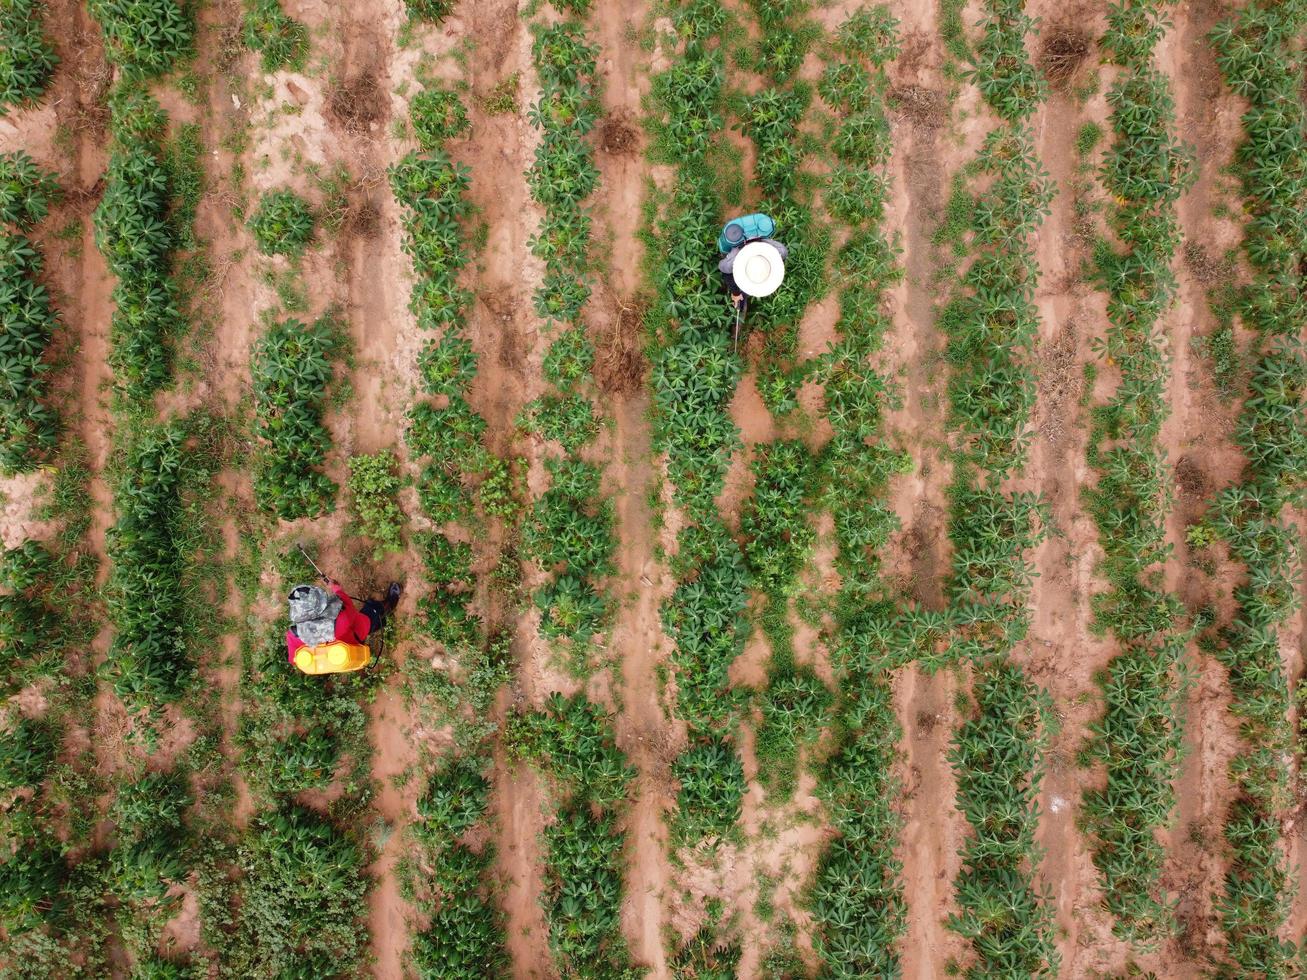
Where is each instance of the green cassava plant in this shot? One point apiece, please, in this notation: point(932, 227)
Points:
point(27, 58)
point(292, 366)
point(374, 485)
point(282, 224)
point(282, 42)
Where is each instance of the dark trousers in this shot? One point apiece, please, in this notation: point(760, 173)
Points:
point(376, 611)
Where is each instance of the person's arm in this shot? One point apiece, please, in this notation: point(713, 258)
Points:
point(343, 596)
point(780, 247)
point(358, 624)
point(727, 265)
point(293, 643)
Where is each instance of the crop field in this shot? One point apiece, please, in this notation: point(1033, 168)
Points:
point(943, 617)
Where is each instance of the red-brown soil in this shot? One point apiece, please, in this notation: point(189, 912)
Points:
point(340, 113)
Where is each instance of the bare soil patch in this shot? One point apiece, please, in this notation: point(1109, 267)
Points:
point(619, 354)
point(919, 105)
point(359, 104)
point(1062, 54)
point(619, 135)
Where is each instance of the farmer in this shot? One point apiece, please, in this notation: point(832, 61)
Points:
point(327, 634)
point(753, 263)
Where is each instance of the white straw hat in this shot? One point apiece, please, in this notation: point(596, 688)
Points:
point(758, 269)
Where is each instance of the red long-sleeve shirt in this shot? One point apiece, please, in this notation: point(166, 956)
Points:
point(351, 625)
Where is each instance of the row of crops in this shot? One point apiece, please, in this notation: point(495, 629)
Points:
point(693, 378)
point(449, 883)
point(28, 423)
point(1259, 53)
point(48, 905)
point(1138, 738)
point(991, 326)
point(777, 534)
point(857, 896)
point(75, 887)
point(569, 533)
point(27, 58)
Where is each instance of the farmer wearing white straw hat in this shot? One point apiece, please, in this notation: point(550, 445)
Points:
point(753, 263)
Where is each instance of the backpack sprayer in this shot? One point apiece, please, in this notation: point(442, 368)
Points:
point(376, 640)
point(758, 268)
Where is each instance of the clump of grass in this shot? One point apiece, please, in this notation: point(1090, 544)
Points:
point(1087, 138)
point(374, 485)
point(282, 223)
point(437, 116)
point(430, 11)
point(282, 41)
point(502, 99)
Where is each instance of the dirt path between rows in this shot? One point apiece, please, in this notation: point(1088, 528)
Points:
point(1062, 655)
point(509, 346)
point(1198, 439)
point(925, 154)
point(637, 647)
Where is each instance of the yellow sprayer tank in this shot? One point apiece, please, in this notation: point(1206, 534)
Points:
point(336, 657)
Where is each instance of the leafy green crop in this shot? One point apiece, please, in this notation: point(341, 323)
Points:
point(137, 233)
point(34, 630)
point(145, 38)
point(771, 119)
point(374, 485)
point(466, 934)
point(282, 41)
point(301, 897)
point(566, 419)
point(1259, 53)
point(148, 554)
point(27, 750)
point(294, 729)
point(1138, 740)
point(282, 224)
point(26, 190)
point(28, 425)
point(992, 324)
point(27, 58)
point(778, 537)
point(583, 847)
point(569, 534)
point(694, 376)
point(292, 366)
point(1002, 70)
point(150, 839)
point(711, 777)
point(438, 115)
point(34, 874)
point(856, 896)
point(432, 190)
point(997, 762)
